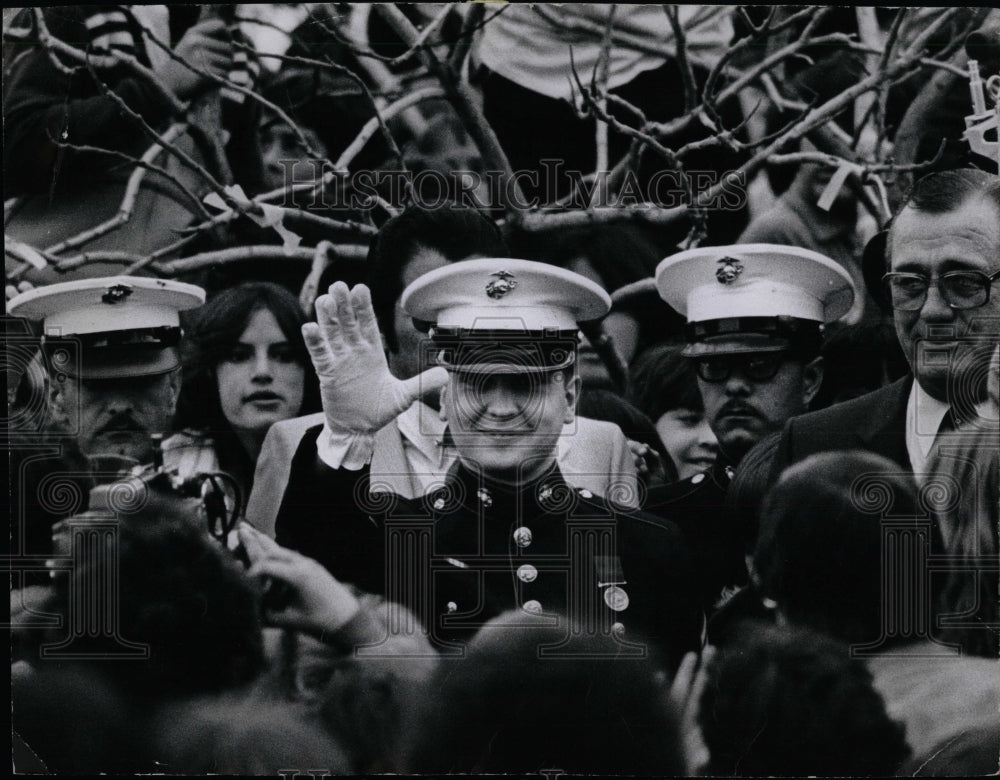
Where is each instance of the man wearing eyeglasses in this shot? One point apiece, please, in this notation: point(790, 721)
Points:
point(940, 274)
point(755, 315)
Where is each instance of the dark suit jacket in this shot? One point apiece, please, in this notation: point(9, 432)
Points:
point(875, 422)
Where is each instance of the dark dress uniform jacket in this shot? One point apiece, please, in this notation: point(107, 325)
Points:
point(467, 552)
point(711, 528)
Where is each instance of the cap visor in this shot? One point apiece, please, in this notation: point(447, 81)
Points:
point(746, 344)
point(125, 363)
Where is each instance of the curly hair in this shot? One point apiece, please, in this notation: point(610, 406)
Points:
point(178, 593)
point(791, 702)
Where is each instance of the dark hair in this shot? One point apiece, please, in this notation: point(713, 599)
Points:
point(946, 191)
point(180, 594)
point(791, 702)
point(661, 379)
point(819, 552)
point(457, 233)
point(210, 333)
point(620, 254)
point(938, 193)
point(508, 707)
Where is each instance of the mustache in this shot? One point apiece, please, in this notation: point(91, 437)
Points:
point(122, 422)
point(736, 407)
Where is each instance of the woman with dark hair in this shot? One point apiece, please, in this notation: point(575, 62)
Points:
point(245, 368)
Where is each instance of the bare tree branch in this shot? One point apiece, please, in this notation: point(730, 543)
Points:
point(465, 105)
point(687, 75)
point(52, 44)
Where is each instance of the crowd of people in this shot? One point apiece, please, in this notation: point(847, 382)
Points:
point(583, 500)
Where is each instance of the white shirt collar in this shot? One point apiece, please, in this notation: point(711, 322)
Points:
point(924, 414)
point(423, 427)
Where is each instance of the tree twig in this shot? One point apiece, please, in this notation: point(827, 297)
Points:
point(687, 75)
point(466, 107)
point(51, 43)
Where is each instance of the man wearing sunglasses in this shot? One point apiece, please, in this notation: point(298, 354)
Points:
point(939, 274)
point(755, 315)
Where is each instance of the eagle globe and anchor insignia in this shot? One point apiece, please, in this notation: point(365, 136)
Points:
point(729, 268)
point(116, 293)
point(503, 284)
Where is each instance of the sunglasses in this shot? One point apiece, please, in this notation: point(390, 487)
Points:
point(756, 368)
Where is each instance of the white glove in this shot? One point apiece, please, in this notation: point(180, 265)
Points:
point(359, 393)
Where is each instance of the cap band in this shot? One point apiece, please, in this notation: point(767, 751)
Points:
point(738, 335)
point(504, 352)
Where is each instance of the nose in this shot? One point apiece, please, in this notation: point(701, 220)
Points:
point(263, 372)
point(118, 400)
point(706, 437)
point(737, 384)
point(499, 398)
point(935, 307)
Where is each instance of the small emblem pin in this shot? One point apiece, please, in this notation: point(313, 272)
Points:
point(728, 270)
point(116, 293)
point(503, 284)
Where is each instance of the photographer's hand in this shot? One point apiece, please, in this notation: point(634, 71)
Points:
point(685, 695)
point(359, 393)
point(318, 602)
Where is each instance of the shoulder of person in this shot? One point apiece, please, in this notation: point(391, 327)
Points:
point(874, 402)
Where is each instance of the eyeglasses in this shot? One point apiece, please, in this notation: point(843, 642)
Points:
point(758, 368)
point(960, 289)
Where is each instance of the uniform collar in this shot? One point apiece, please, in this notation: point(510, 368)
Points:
point(472, 487)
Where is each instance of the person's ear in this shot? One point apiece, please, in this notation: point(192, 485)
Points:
point(174, 378)
point(572, 391)
point(812, 378)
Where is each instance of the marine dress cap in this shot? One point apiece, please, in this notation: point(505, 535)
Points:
point(504, 314)
point(125, 325)
point(753, 297)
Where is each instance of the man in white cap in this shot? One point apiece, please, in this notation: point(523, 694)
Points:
point(413, 452)
point(755, 315)
point(110, 347)
point(122, 383)
point(501, 529)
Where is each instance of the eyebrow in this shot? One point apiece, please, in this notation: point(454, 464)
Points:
point(945, 266)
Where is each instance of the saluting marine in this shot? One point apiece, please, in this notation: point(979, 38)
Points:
point(504, 530)
point(755, 315)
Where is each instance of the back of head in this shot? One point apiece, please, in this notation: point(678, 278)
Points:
point(790, 702)
point(519, 702)
point(242, 736)
point(819, 550)
point(453, 232)
point(179, 594)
